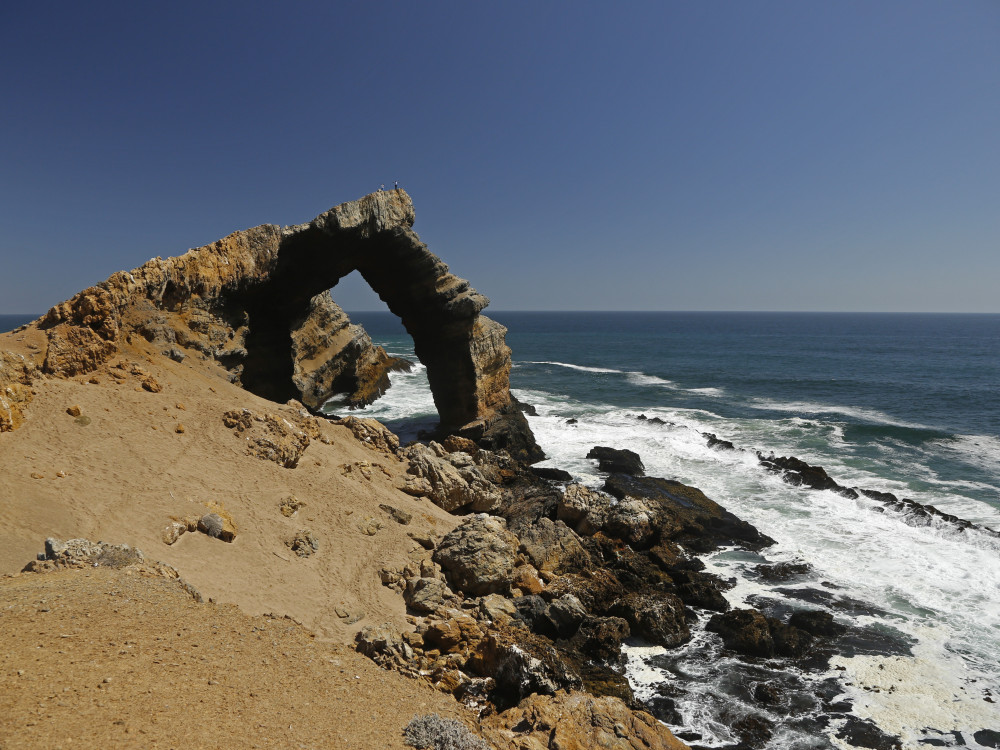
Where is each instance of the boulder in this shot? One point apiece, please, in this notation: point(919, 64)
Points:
point(577, 721)
point(614, 460)
point(455, 481)
point(679, 512)
point(658, 618)
point(552, 546)
point(478, 555)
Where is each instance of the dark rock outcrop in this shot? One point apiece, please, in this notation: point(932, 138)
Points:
point(613, 460)
point(665, 509)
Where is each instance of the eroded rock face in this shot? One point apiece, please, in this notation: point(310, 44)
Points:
point(577, 720)
point(257, 302)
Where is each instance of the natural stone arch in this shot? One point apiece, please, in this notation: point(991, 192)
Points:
point(258, 301)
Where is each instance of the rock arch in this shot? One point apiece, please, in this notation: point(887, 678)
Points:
point(258, 302)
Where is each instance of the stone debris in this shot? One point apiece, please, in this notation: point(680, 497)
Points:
point(150, 384)
point(372, 433)
point(290, 505)
point(397, 515)
point(74, 411)
point(270, 436)
point(304, 543)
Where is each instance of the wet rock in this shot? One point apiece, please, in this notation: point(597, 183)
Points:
point(745, 631)
point(551, 473)
point(816, 623)
point(601, 638)
point(754, 731)
point(679, 512)
point(783, 572)
point(717, 443)
point(658, 618)
point(478, 555)
point(863, 733)
point(614, 460)
point(987, 737)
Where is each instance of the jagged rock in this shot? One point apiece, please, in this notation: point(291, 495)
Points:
point(659, 618)
point(552, 546)
point(270, 436)
point(577, 721)
point(454, 479)
point(651, 508)
point(745, 631)
point(173, 532)
point(478, 555)
point(255, 301)
point(584, 509)
point(427, 594)
point(78, 553)
point(372, 433)
point(521, 667)
point(749, 632)
point(526, 579)
point(601, 638)
point(330, 356)
point(496, 608)
point(613, 460)
point(816, 623)
point(566, 613)
point(290, 505)
point(16, 375)
point(782, 572)
point(304, 543)
point(552, 473)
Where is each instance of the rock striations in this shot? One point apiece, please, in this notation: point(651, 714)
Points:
point(258, 302)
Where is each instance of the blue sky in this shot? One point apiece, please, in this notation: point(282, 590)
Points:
point(674, 156)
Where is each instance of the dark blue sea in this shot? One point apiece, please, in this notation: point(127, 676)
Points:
point(901, 403)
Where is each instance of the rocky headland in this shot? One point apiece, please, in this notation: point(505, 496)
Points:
point(174, 409)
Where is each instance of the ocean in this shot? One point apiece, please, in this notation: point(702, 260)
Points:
point(901, 403)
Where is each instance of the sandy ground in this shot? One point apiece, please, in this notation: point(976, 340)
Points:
point(184, 674)
point(103, 658)
point(125, 475)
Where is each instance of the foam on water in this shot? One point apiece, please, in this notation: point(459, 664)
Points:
point(928, 576)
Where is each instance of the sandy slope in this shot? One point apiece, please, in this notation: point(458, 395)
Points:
point(120, 479)
point(98, 658)
point(128, 472)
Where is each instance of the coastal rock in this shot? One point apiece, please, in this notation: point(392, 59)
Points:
point(256, 301)
point(455, 481)
point(749, 632)
point(613, 460)
point(678, 512)
point(584, 509)
point(660, 619)
point(478, 555)
point(575, 721)
point(330, 355)
point(372, 433)
point(552, 546)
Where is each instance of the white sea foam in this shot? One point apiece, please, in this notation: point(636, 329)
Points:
point(873, 416)
point(641, 378)
point(580, 368)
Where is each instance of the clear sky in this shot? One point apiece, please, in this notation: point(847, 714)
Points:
point(702, 155)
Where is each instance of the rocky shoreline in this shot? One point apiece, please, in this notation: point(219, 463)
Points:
point(510, 587)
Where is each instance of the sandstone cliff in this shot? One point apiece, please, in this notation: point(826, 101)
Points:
point(257, 302)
